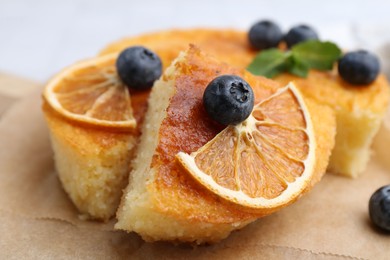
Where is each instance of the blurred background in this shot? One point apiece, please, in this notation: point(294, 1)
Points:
point(39, 37)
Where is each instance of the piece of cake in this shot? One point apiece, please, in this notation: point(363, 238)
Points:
point(162, 201)
point(359, 110)
point(92, 164)
point(94, 125)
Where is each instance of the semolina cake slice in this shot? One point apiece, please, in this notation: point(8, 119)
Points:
point(359, 110)
point(162, 201)
point(92, 160)
point(92, 164)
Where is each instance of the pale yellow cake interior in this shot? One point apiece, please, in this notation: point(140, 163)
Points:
point(93, 165)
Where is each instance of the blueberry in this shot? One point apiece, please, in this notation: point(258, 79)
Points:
point(138, 67)
point(299, 34)
point(359, 67)
point(228, 99)
point(264, 35)
point(379, 208)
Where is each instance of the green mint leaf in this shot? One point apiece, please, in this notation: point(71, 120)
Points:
point(299, 68)
point(316, 54)
point(302, 57)
point(269, 63)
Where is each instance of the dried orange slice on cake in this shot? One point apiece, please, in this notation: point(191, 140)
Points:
point(264, 162)
point(91, 92)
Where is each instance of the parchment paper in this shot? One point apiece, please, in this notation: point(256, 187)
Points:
point(37, 220)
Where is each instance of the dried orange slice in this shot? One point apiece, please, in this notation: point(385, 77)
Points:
point(264, 162)
point(91, 92)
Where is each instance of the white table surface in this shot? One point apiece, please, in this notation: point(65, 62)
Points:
point(39, 37)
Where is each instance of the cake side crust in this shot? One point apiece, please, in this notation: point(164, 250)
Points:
point(92, 165)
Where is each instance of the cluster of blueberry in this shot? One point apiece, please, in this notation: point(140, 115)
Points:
point(358, 67)
point(267, 34)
